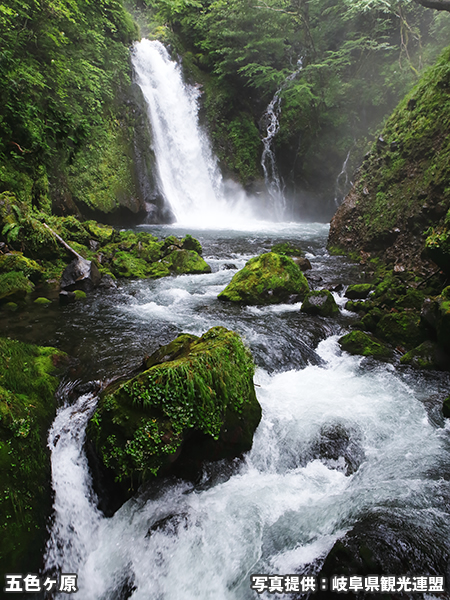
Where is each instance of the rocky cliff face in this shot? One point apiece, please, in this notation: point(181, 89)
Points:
point(399, 206)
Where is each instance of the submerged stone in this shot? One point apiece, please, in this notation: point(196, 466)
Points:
point(320, 302)
point(359, 342)
point(267, 279)
point(42, 301)
point(194, 402)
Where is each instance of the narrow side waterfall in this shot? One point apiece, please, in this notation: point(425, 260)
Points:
point(188, 173)
point(270, 119)
point(343, 182)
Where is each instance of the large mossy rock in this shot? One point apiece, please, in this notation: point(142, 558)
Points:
point(27, 407)
point(321, 303)
point(359, 291)
point(194, 402)
point(401, 328)
point(427, 355)
point(14, 286)
point(267, 279)
point(359, 342)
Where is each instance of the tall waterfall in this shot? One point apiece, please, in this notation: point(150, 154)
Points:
point(270, 119)
point(188, 173)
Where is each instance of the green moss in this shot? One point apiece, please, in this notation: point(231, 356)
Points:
point(190, 243)
point(16, 261)
point(124, 264)
point(27, 407)
point(358, 342)
point(101, 177)
point(79, 295)
point(403, 184)
point(286, 249)
point(358, 291)
point(424, 356)
point(320, 302)
point(138, 428)
point(402, 328)
point(42, 301)
point(99, 232)
point(14, 285)
point(185, 261)
point(11, 306)
point(266, 279)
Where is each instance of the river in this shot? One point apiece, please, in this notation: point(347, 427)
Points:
point(280, 508)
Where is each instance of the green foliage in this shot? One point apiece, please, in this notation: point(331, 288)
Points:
point(62, 66)
point(357, 59)
point(27, 406)
point(139, 427)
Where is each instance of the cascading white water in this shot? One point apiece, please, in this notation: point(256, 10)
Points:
point(342, 181)
point(281, 509)
point(272, 178)
point(76, 518)
point(188, 174)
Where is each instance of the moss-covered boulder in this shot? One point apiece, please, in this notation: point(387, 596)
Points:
point(359, 291)
point(359, 342)
point(427, 355)
point(16, 261)
point(267, 279)
point(401, 328)
point(14, 286)
point(320, 302)
point(27, 407)
point(195, 401)
point(181, 261)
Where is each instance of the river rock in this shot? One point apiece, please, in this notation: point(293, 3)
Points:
point(267, 279)
point(359, 342)
point(427, 356)
point(359, 291)
point(339, 447)
point(302, 262)
point(194, 402)
point(320, 302)
point(385, 542)
point(80, 274)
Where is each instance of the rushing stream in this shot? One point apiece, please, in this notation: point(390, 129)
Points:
point(344, 442)
point(280, 509)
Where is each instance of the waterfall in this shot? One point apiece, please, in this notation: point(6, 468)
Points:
point(342, 181)
point(188, 173)
point(274, 184)
point(76, 518)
